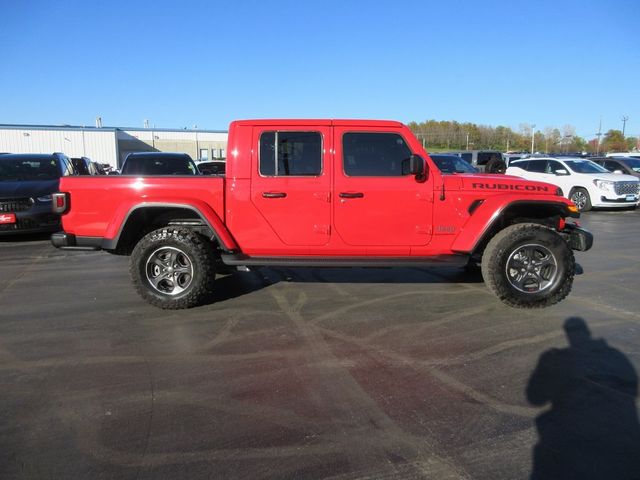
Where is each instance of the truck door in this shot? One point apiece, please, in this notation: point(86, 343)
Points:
point(377, 202)
point(290, 185)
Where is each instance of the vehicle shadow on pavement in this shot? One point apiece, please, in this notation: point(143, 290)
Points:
point(592, 429)
point(25, 237)
point(238, 284)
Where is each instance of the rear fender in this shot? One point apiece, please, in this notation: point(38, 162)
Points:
point(201, 209)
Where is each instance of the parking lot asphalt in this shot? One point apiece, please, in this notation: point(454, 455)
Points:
point(305, 374)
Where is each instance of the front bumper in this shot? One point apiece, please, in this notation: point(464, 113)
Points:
point(35, 220)
point(617, 201)
point(577, 237)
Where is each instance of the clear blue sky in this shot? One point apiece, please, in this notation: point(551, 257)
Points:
point(205, 63)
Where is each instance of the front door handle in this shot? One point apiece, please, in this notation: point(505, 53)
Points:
point(351, 195)
point(274, 194)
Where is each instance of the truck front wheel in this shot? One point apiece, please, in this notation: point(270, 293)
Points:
point(173, 268)
point(528, 266)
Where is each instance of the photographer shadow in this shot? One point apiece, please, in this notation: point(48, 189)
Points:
point(592, 429)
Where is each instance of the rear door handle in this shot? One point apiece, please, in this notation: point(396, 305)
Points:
point(274, 194)
point(351, 195)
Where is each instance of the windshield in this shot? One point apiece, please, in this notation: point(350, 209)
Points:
point(452, 164)
point(585, 166)
point(160, 165)
point(25, 169)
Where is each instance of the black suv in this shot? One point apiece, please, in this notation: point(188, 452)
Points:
point(158, 163)
point(487, 161)
point(26, 184)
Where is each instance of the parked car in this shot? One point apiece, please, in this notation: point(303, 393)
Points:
point(626, 165)
point(84, 166)
point(452, 163)
point(624, 154)
point(584, 182)
point(158, 163)
point(488, 161)
point(26, 184)
point(512, 157)
point(212, 167)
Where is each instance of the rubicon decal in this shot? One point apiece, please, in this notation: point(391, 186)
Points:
point(505, 186)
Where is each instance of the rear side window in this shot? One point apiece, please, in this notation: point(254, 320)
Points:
point(290, 154)
point(467, 157)
point(538, 166)
point(375, 155)
point(553, 166)
point(524, 164)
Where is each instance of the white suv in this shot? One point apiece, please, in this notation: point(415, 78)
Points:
point(584, 182)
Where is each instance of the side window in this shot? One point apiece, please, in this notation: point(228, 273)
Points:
point(553, 166)
point(290, 153)
point(611, 166)
point(375, 155)
point(524, 165)
point(467, 157)
point(537, 166)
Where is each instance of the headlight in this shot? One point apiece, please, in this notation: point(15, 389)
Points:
point(605, 185)
point(45, 199)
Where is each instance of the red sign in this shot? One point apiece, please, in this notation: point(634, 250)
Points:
point(7, 218)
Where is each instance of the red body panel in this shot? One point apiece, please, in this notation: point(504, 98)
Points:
point(394, 216)
point(101, 204)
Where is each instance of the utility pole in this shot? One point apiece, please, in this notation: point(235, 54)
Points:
point(624, 123)
point(533, 132)
point(467, 140)
point(599, 134)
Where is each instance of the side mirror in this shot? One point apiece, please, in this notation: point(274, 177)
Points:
point(619, 172)
point(415, 165)
point(561, 171)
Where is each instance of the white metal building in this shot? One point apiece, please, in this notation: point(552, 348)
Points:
point(109, 145)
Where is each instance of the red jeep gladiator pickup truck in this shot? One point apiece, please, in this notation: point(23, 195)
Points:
point(325, 193)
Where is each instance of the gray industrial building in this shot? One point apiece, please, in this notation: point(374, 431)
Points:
point(110, 145)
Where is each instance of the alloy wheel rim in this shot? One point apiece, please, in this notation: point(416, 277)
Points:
point(531, 268)
point(580, 199)
point(169, 271)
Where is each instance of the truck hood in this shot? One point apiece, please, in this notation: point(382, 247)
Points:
point(492, 184)
point(28, 188)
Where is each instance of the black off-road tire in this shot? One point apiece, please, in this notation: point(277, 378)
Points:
point(194, 256)
point(584, 195)
point(503, 250)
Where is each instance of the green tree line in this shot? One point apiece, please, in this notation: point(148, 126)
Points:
point(438, 135)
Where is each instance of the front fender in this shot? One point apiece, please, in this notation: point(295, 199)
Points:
point(492, 209)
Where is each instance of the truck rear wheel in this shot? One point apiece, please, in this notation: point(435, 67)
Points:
point(173, 268)
point(528, 266)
